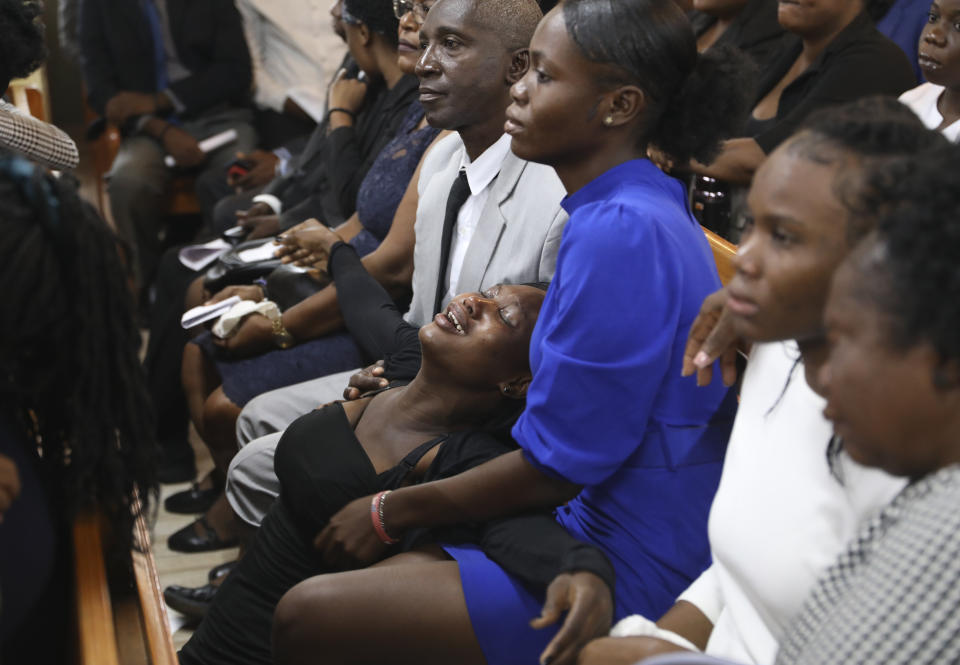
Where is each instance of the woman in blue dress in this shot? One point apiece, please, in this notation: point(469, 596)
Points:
point(610, 430)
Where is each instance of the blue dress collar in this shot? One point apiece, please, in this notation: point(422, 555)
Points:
point(636, 172)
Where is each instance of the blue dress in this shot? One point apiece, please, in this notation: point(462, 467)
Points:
point(607, 408)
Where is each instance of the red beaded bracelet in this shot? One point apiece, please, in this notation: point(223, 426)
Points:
point(376, 516)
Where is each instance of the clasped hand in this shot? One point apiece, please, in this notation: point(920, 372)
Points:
point(307, 244)
point(348, 540)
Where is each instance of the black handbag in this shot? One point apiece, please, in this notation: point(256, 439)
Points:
point(287, 286)
point(230, 269)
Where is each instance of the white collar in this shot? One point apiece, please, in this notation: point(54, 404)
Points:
point(480, 173)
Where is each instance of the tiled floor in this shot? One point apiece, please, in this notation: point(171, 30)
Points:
point(176, 567)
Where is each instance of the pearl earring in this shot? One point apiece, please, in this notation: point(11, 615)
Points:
point(608, 120)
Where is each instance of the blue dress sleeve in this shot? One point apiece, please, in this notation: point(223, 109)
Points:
point(604, 343)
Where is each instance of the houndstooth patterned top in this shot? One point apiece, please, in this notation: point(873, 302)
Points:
point(894, 595)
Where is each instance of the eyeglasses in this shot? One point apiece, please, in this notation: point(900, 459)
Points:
point(419, 9)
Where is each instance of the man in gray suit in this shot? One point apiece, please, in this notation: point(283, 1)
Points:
point(507, 229)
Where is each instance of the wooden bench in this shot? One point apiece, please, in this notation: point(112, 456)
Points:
point(120, 614)
point(723, 253)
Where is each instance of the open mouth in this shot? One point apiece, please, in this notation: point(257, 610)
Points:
point(928, 62)
point(456, 323)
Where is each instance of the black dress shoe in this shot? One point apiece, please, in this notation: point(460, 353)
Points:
point(222, 570)
point(192, 501)
point(192, 602)
point(187, 540)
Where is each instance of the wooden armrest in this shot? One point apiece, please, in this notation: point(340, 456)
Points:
point(723, 253)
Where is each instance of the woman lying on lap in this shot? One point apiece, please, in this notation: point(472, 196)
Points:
point(473, 377)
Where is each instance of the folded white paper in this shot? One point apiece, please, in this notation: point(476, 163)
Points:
point(261, 253)
point(198, 257)
point(208, 145)
point(203, 313)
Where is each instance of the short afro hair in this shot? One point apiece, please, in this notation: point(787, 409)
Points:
point(21, 39)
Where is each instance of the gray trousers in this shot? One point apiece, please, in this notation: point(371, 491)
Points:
point(252, 484)
point(138, 181)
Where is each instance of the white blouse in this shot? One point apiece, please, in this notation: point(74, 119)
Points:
point(922, 100)
point(780, 518)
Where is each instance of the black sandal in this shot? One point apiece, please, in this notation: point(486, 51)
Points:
point(187, 539)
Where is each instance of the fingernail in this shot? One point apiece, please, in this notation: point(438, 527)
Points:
point(701, 360)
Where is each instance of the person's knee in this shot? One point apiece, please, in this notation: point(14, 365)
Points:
point(252, 423)
point(305, 619)
point(219, 412)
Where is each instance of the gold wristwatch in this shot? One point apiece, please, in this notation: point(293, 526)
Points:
point(281, 336)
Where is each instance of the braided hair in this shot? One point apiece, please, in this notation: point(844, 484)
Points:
point(70, 376)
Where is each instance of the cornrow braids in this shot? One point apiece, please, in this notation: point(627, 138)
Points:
point(70, 375)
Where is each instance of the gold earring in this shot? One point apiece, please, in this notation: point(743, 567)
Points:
point(608, 120)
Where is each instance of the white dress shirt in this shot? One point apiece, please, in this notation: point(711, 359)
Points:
point(480, 175)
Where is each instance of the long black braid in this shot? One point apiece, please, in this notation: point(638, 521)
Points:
point(69, 370)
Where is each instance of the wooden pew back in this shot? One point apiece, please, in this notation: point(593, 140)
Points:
point(723, 253)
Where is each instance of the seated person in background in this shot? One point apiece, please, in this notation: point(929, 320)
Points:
point(265, 165)
point(470, 386)
point(750, 25)
point(362, 117)
point(610, 429)
point(892, 385)
point(780, 516)
point(379, 203)
point(75, 418)
point(837, 56)
point(288, 63)
point(507, 228)
point(168, 73)
point(937, 102)
point(21, 52)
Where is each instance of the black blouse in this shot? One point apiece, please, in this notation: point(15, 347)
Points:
point(755, 31)
point(858, 63)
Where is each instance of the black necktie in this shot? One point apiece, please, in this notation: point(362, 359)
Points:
point(459, 193)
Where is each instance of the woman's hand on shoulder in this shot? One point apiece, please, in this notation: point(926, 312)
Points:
point(589, 606)
point(712, 336)
point(349, 540)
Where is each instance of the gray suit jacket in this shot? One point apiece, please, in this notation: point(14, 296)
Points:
point(517, 236)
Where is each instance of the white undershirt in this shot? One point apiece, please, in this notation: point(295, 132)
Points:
point(922, 100)
point(480, 175)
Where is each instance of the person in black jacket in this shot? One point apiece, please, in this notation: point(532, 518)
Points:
point(169, 73)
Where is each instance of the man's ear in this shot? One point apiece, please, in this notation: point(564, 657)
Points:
point(516, 388)
point(519, 64)
point(623, 105)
